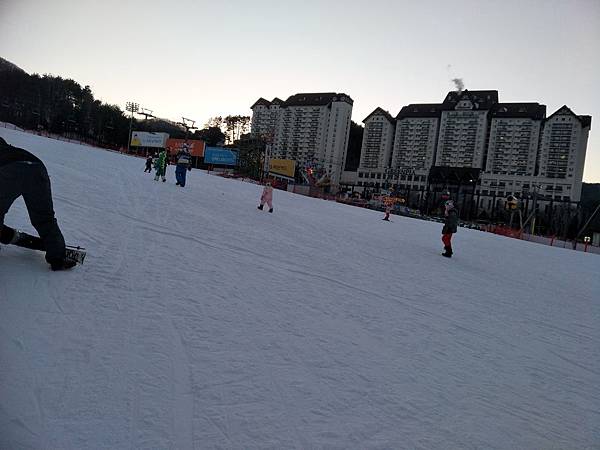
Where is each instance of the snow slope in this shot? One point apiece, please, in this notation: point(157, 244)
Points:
point(199, 322)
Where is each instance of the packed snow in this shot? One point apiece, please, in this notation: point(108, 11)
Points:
point(199, 322)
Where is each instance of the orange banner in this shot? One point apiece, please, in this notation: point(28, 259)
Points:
point(196, 146)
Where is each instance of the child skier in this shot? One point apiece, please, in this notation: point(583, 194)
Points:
point(267, 197)
point(450, 225)
point(161, 165)
point(184, 164)
point(390, 202)
point(148, 164)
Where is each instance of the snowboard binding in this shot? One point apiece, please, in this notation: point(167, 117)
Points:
point(10, 236)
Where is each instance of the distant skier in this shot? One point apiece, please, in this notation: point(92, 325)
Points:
point(184, 164)
point(390, 202)
point(148, 164)
point(160, 164)
point(267, 197)
point(450, 226)
point(388, 208)
point(23, 174)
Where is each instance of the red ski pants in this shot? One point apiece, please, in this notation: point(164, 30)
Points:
point(446, 238)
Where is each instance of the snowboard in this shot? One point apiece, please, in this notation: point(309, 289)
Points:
point(21, 239)
point(76, 254)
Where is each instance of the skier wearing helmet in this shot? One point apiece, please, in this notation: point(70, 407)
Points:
point(450, 226)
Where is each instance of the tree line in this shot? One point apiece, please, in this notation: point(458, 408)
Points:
point(233, 127)
point(62, 106)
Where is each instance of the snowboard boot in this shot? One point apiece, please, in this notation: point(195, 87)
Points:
point(260, 207)
point(448, 251)
point(8, 235)
point(164, 179)
point(28, 241)
point(177, 184)
point(271, 210)
point(62, 264)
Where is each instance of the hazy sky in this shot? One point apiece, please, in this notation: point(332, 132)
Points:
point(200, 59)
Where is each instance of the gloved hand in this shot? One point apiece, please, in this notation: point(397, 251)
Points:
point(189, 168)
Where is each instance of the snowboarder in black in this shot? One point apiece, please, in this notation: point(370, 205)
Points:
point(148, 164)
point(23, 174)
point(450, 226)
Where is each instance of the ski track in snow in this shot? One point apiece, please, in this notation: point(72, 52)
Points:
point(200, 322)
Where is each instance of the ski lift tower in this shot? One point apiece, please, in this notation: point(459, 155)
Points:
point(133, 108)
point(146, 113)
point(188, 124)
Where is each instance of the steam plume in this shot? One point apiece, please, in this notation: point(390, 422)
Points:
point(459, 84)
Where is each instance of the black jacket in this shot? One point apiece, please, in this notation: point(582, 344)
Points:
point(451, 222)
point(184, 158)
point(10, 154)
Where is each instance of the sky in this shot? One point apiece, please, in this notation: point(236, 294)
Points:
point(198, 59)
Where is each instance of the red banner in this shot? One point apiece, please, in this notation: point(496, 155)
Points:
point(196, 146)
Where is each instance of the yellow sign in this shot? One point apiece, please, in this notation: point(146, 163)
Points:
point(286, 167)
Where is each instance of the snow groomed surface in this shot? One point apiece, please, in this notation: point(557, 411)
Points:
point(200, 322)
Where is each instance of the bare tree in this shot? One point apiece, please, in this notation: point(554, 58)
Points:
point(216, 121)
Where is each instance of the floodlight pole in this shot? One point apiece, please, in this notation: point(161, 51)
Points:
point(132, 107)
point(534, 212)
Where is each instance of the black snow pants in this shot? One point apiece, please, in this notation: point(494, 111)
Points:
point(31, 181)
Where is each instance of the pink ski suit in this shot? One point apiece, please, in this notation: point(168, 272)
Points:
point(267, 196)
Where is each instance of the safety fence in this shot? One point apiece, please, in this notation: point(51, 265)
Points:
point(552, 241)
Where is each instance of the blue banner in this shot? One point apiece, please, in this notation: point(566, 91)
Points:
point(218, 155)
